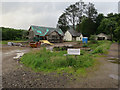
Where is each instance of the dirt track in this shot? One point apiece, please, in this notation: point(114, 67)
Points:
point(106, 74)
point(16, 75)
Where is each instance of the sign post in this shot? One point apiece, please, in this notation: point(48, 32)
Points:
point(73, 52)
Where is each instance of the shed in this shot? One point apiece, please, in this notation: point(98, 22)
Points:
point(46, 33)
point(72, 35)
point(103, 36)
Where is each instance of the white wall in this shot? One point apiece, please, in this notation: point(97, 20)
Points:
point(79, 38)
point(68, 36)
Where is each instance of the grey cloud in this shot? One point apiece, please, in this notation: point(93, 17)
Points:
point(106, 7)
point(37, 6)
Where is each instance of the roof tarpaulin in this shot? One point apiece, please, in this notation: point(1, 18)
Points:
point(42, 31)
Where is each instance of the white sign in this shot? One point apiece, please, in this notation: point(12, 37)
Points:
point(73, 51)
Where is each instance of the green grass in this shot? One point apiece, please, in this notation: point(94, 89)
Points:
point(15, 41)
point(101, 47)
point(46, 61)
point(84, 45)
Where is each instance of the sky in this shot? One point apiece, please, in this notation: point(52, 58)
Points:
point(21, 15)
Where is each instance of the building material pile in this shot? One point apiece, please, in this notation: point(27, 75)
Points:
point(46, 42)
point(14, 44)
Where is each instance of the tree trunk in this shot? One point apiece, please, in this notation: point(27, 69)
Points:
point(73, 21)
point(111, 34)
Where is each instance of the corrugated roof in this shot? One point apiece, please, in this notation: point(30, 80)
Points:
point(42, 31)
point(74, 33)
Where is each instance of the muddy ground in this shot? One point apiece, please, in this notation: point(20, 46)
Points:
point(16, 75)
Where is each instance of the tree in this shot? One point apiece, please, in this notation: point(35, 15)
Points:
point(63, 23)
point(110, 25)
point(103, 26)
point(87, 27)
point(12, 34)
point(117, 34)
point(98, 20)
point(107, 26)
point(90, 11)
point(116, 18)
point(110, 15)
point(117, 30)
point(93, 39)
point(71, 14)
point(81, 9)
point(25, 33)
point(76, 13)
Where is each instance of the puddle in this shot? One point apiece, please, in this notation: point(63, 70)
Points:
point(20, 51)
point(114, 60)
point(114, 76)
point(15, 51)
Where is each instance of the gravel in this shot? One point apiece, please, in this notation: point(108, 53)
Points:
point(21, 78)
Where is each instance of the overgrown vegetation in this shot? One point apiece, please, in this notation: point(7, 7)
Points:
point(84, 45)
point(100, 47)
point(92, 39)
point(47, 61)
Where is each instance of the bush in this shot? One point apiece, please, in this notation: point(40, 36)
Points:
point(61, 48)
point(92, 39)
point(84, 62)
point(82, 52)
point(84, 45)
point(99, 49)
point(102, 47)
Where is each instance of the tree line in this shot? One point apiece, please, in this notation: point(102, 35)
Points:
point(84, 18)
point(13, 34)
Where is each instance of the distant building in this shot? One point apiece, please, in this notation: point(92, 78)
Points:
point(72, 35)
point(103, 36)
point(46, 33)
